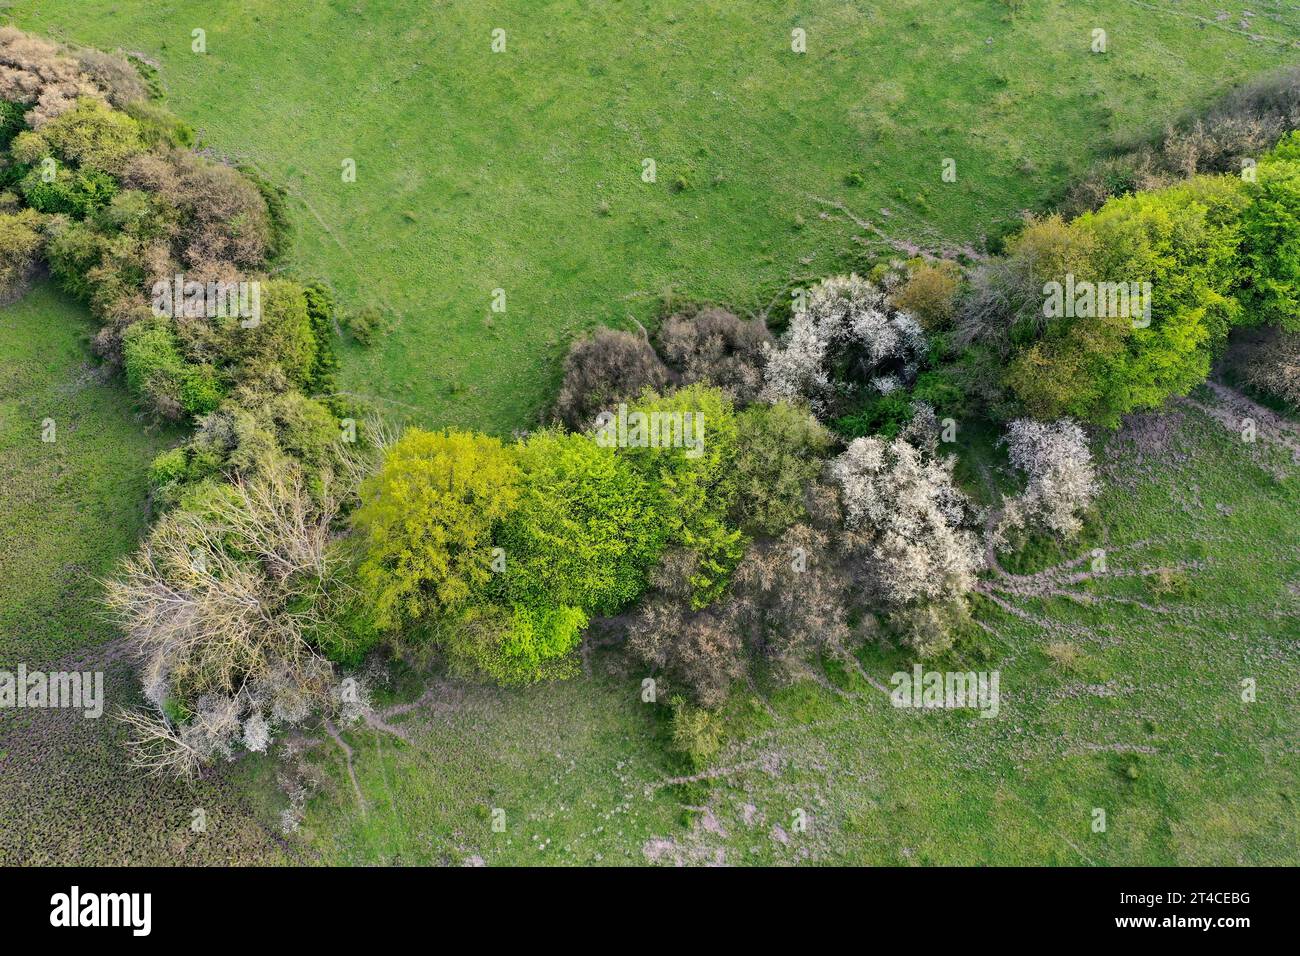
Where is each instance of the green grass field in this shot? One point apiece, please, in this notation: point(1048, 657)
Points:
point(522, 171)
point(71, 506)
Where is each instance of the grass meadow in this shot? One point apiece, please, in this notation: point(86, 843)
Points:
point(522, 171)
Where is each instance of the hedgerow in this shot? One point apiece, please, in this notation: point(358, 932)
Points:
point(689, 490)
point(241, 588)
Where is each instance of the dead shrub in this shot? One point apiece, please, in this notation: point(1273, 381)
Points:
point(1268, 360)
point(604, 369)
point(113, 74)
point(789, 598)
point(701, 650)
point(1064, 655)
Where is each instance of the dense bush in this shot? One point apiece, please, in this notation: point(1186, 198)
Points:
point(695, 483)
point(780, 449)
point(1270, 270)
point(906, 522)
point(118, 78)
point(91, 137)
point(367, 325)
point(697, 733)
point(929, 629)
point(11, 122)
point(848, 341)
point(881, 415)
point(427, 518)
point(230, 219)
point(156, 371)
point(1183, 241)
point(929, 292)
point(791, 598)
point(585, 529)
point(604, 369)
point(700, 650)
point(717, 348)
point(283, 340)
point(1005, 301)
point(578, 540)
point(41, 77)
point(70, 194)
point(1061, 481)
point(21, 242)
point(319, 377)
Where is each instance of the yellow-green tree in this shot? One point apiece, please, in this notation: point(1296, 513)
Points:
point(427, 519)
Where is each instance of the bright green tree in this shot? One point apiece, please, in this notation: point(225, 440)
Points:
point(426, 521)
point(1181, 241)
point(585, 531)
point(1270, 276)
point(690, 465)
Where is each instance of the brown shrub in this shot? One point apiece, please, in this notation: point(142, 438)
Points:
point(717, 347)
point(602, 370)
point(40, 74)
point(1244, 124)
point(703, 650)
point(119, 80)
point(153, 173)
point(789, 598)
point(227, 213)
point(1268, 360)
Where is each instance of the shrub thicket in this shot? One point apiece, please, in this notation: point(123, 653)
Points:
point(276, 554)
point(21, 241)
point(604, 369)
point(241, 587)
point(718, 348)
point(1183, 242)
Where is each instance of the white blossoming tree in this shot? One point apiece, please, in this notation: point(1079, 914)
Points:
point(1062, 483)
point(848, 338)
point(906, 522)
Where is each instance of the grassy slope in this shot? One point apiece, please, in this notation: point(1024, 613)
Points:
point(72, 507)
point(479, 171)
